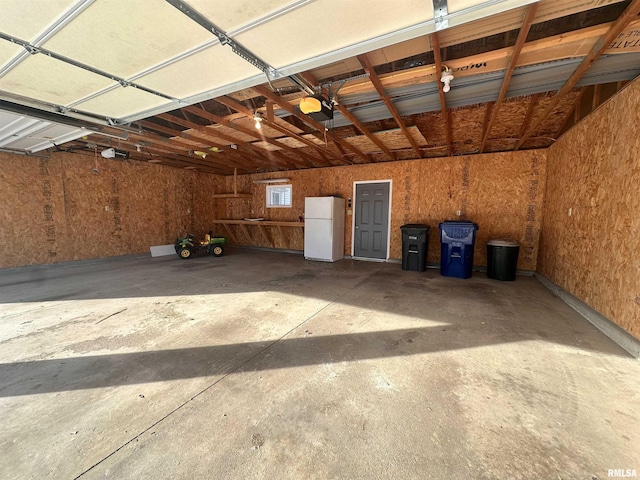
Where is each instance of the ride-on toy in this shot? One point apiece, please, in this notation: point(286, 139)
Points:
point(187, 246)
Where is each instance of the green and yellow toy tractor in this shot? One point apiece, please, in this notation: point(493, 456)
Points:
point(187, 245)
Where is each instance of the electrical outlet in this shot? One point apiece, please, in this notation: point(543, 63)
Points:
point(106, 208)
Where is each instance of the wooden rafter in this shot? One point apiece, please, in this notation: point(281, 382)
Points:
point(239, 107)
point(485, 122)
point(526, 121)
point(174, 146)
point(513, 62)
point(265, 92)
point(573, 116)
point(375, 80)
point(365, 131)
point(175, 149)
point(443, 103)
point(311, 161)
point(630, 14)
point(241, 156)
point(357, 124)
point(167, 156)
point(230, 157)
point(261, 153)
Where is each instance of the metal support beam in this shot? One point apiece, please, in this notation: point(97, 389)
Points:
point(224, 39)
point(440, 14)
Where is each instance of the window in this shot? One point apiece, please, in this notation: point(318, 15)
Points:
point(278, 196)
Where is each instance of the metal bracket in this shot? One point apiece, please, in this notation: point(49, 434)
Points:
point(441, 14)
point(223, 38)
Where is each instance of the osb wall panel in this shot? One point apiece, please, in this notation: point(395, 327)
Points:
point(501, 192)
point(62, 210)
point(594, 170)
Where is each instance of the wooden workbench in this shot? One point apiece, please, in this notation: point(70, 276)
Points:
point(242, 235)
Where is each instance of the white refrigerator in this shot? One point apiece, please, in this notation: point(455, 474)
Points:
point(324, 228)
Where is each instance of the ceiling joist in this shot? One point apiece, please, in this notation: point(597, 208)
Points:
point(373, 77)
point(513, 62)
point(630, 14)
point(265, 92)
point(446, 118)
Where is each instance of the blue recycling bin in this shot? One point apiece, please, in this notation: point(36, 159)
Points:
point(457, 243)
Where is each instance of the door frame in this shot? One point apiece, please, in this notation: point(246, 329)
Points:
point(353, 221)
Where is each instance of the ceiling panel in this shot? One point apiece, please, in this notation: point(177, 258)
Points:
point(48, 80)
point(211, 68)
point(19, 132)
point(230, 16)
point(124, 37)
point(26, 20)
point(8, 51)
point(324, 26)
point(123, 102)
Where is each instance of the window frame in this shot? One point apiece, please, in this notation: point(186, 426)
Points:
point(271, 188)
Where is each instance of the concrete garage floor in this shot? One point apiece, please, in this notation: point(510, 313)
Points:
point(262, 365)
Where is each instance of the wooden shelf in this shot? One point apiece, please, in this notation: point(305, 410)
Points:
point(235, 193)
point(232, 195)
point(269, 223)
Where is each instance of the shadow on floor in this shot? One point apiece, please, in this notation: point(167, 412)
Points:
point(99, 371)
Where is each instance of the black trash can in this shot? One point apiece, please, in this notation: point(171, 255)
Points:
point(458, 241)
point(415, 242)
point(502, 259)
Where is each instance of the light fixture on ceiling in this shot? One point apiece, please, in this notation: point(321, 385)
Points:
point(199, 153)
point(108, 153)
point(273, 180)
point(257, 117)
point(113, 153)
point(446, 78)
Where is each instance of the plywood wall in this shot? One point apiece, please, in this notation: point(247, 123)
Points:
point(501, 192)
point(59, 209)
point(591, 234)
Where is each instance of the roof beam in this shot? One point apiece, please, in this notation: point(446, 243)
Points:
point(513, 62)
point(367, 133)
point(239, 107)
point(239, 158)
point(308, 76)
point(262, 154)
point(252, 133)
point(598, 48)
point(265, 92)
point(166, 156)
point(529, 113)
point(310, 79)
point(181, 149)
point(375, 80)
point(443, 103)
point(230, 156)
